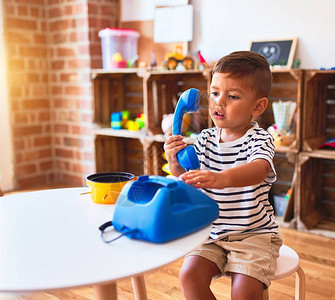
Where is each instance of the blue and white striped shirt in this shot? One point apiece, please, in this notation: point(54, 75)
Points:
point(242, 209)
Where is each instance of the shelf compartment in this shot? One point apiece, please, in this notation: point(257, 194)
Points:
point(287, 85)
point(285, 173)
point(119, 154)
point(115, 92)
point(316, 194)
point(318, 109)
point(153, 156)
point(162, 91)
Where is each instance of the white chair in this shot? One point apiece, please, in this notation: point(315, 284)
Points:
point(288, 263)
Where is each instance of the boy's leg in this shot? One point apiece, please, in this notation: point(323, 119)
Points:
point(251, 263)
point(195, 277)
point(246, 287)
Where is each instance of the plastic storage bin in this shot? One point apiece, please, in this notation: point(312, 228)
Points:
point(119, 47)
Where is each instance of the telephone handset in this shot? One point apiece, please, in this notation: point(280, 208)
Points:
point(188, 102)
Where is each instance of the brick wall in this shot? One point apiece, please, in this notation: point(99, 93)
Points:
point(52, 46)
point(25, 29)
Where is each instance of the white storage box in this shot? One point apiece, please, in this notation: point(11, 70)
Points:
point(119, 47)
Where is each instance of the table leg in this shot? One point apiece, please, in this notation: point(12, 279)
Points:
point(106, 291)
point(139, 287)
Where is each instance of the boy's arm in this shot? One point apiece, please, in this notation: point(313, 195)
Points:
point(244, 175)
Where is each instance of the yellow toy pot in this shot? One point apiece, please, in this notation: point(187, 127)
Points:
point(105, 187)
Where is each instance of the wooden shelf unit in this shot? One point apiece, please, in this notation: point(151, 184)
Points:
point(156, 93)
point(315, 205)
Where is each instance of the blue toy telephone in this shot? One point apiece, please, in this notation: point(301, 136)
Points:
point(188, 102)
point(158, 209)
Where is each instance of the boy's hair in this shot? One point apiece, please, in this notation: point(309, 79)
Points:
point(250, 66)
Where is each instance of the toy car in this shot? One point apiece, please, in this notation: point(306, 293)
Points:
point(176, 57)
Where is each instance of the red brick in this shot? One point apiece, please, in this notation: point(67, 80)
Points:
point(35, 12)
point(22, 10)
point(87, 117)
point(20, 117)
point(10, 9)
point(19, 38)
point(65, 52)
point(32, 51)
point(40, 90)
point(73, 179)
point(60, 37)
point(60, 25)
point(76, 90)
point(27, 169)
point(61, 128)
point(32, 77)
point(42, 141)
point(35, 104)
point(92, 8)
point(84, 49)
point(27, 130)
point(55, 12)
point(36, 154)
point(39, 2)
point(46, 165)
point(58, 64)
point(43, 116)
point(40, 39)
point(16, 23)
point(69, 77)
point(73, 142)
point(19, 144)
point(15, 91)
point(65, 103)
point(79, 63)
point(31, 181)
point(78, 36)
point(64, 153)
point(63, 165)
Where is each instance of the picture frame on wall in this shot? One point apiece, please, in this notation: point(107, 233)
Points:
point(279, 53)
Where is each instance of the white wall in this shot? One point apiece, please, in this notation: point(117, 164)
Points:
point(223, 26)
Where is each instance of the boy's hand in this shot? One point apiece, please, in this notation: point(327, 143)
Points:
point(173, 144)
point(204, 179)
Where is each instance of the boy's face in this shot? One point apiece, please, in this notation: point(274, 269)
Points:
point(232, 103)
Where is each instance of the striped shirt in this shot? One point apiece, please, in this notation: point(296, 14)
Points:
point(242, 209)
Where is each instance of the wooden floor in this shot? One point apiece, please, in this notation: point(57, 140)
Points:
point(317, 256)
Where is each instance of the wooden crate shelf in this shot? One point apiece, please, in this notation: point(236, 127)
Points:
point(115, 92)
point(119, 154)
point(316, 194)
point(318, 109)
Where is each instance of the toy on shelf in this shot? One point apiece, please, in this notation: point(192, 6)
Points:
point(117, 61)
point(140, 120)
point(121, 120)
point(329, 144)
point(116, 120)
point(175, 58)
point(283, 112)
point(165, 167)
point(202, 62)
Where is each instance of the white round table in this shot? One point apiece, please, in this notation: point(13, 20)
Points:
point(50, 240)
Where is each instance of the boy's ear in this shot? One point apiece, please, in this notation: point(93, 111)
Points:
point(260, 107)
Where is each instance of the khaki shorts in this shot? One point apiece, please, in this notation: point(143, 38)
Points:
point(250, 254)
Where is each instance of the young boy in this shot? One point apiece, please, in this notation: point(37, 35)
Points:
point(237, 171)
